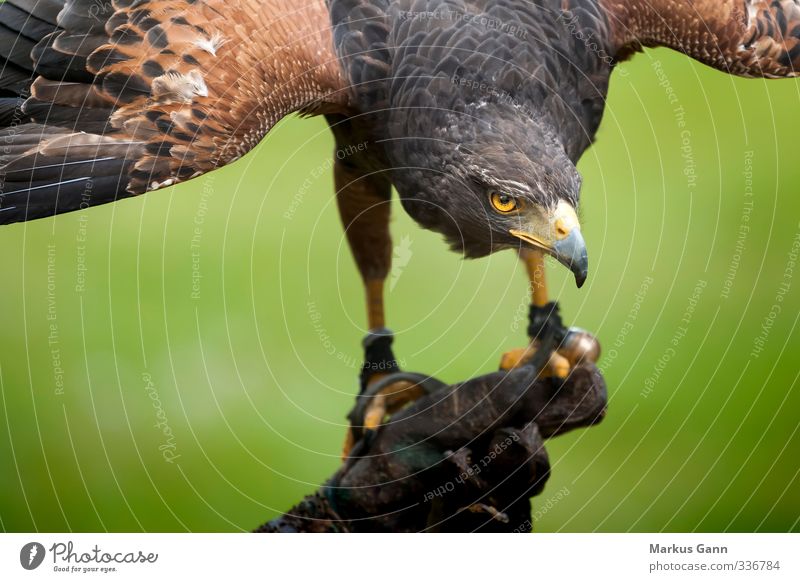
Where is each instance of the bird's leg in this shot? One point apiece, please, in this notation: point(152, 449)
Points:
point(557, 366)
point(378, 356)
point(574, 345)
point(364, 207)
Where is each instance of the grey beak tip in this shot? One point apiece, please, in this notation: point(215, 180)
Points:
point(571, 252)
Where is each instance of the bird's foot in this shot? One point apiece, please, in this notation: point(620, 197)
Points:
point(382, 398)
point(557, 366)
point(379, 361)
point(571, 346)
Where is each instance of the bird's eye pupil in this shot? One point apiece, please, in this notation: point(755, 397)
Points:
point(503, 202)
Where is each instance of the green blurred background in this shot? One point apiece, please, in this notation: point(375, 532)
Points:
point(255, 372)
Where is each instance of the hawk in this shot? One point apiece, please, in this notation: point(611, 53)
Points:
point(475, 111)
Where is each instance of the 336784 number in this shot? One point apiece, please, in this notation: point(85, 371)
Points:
point(747, 565)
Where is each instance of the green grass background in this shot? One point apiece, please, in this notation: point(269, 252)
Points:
point(256, 399)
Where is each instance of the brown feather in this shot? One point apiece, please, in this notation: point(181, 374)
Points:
point(751, 38)
point(66, 93)
point(182, 86)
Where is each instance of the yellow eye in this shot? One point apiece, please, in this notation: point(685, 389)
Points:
point(503, 202)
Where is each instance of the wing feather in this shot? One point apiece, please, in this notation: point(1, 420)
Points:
point(136, 95)
point(750, 38)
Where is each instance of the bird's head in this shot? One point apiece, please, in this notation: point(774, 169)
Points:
point(490, 180)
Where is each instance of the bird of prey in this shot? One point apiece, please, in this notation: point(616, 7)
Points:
point(475, 111)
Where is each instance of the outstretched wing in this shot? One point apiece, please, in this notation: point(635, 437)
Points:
point(751, 38)
point(106, 99)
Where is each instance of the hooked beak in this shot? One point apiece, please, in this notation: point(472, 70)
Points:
point(560, 237)
point(571, 252)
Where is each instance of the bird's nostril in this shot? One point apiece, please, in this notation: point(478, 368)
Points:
point(561, 230)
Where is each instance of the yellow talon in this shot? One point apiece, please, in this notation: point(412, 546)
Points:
point(557, 367)
point(579, 347)
point(516, 358)
point(375, 413)
point(388, 401)
point(349, 441)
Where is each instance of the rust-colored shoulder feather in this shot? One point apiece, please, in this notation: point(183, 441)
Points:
point(751, 38)
point(142, 94)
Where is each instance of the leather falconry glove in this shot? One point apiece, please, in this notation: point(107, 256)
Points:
point(460, 458)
